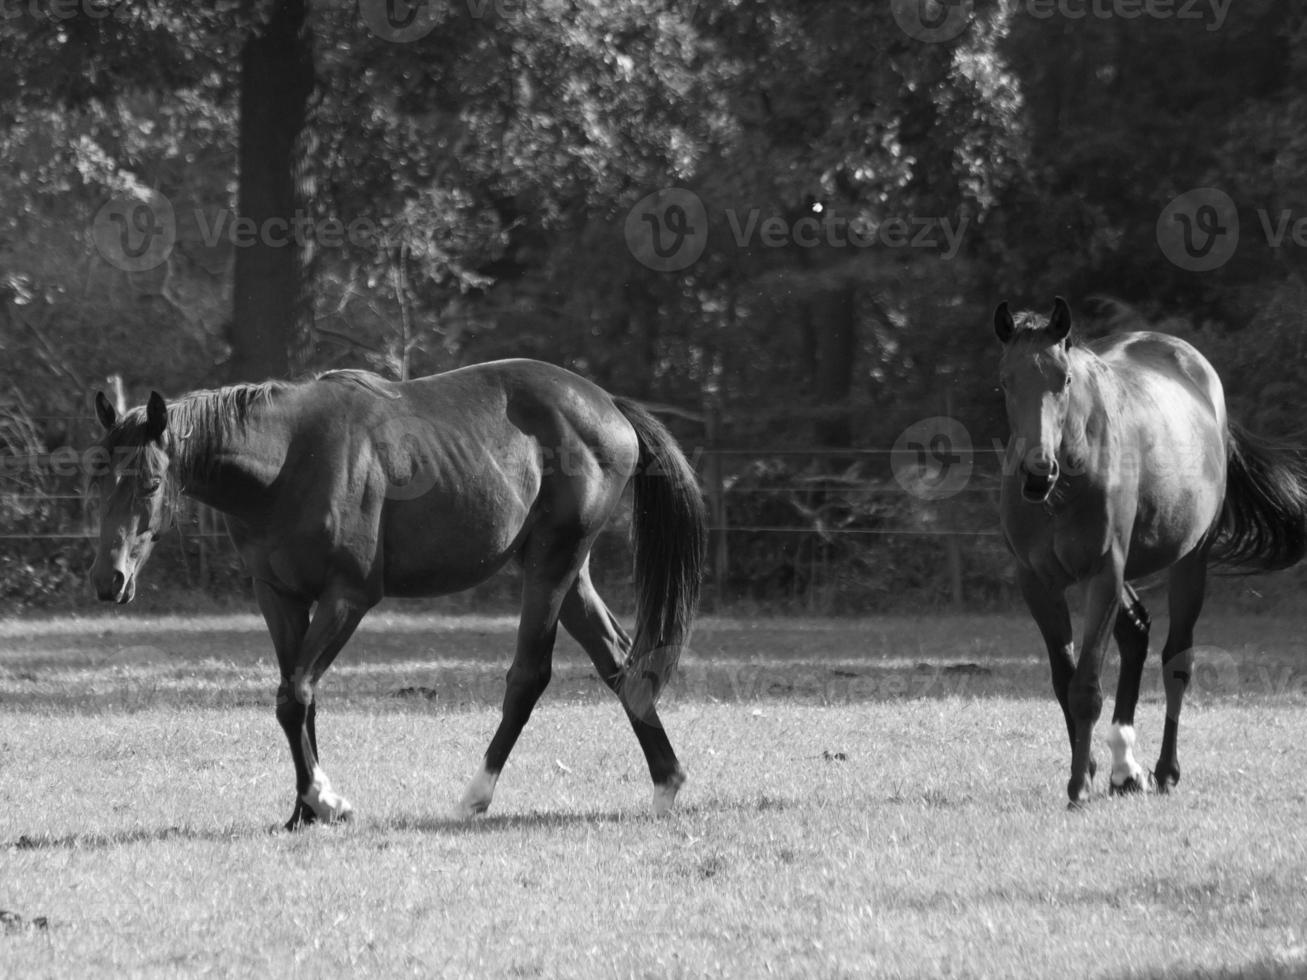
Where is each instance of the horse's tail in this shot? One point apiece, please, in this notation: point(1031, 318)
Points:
point(1263, 522)
point(670, 531)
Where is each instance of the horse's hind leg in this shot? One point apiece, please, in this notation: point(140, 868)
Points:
point(549, 565)
point(1131, 633)
point(1188, 585)
point(592, 625)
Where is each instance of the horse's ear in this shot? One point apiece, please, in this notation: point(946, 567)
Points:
point(156, 416)
point(104, 411)
point(1059, 322)
point(1004, 325)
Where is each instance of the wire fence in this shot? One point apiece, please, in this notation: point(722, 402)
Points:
point(798, 518)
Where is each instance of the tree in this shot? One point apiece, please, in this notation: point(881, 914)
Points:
point(273, 302)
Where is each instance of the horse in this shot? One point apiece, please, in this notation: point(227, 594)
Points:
point(1122, 465)
point(347, 488)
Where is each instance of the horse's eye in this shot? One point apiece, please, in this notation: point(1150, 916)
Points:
point(151, 487)
point(1066, 383)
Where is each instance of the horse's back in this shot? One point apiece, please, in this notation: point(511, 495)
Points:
point(1175, 408)
point(471, 459)
point(1148, 362)
point(517, 376)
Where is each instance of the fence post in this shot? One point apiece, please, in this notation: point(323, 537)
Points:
point(955, 569)
point(715, 486)
point(951, 546)
point(205, 525)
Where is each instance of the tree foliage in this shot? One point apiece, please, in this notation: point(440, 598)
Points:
point(466, 195)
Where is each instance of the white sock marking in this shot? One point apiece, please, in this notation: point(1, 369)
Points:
point(476, 798)
point(664, 795)
point(1121, 739)
point(329, 805)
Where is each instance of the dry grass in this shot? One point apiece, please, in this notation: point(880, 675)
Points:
point(866, 798)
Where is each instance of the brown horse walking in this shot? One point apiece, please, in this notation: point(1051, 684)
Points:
point(1122, 464)
point(348, 488)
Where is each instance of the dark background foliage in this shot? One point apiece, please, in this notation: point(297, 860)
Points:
point(496, 158)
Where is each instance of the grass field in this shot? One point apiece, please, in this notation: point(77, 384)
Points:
point(872, 797)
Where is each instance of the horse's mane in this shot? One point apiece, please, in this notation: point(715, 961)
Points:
point(201, 422)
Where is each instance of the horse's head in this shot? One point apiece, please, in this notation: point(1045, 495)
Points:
point(1036, 376)
point(136, 495)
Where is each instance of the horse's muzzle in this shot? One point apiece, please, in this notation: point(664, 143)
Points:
point(1038, 479)
point(117, 588)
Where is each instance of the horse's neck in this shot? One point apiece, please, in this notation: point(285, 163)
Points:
point(236, 474)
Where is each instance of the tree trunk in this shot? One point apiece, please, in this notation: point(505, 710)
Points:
point(277, 80)
point(837, 344)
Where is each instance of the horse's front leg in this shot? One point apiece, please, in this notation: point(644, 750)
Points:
point(305, 649)
point(1085, 695)
point(1049, 609)
point(1131, 632)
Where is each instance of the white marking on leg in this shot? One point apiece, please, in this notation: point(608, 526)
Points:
point(664, 795)
point(477, 796)
point(328, 805)
point(1121, 739)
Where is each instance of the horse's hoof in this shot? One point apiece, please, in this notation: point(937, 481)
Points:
point(470, 807)
point(305, 816)
point(1079, 789)
point(1165, 776)
point(1164, 784)
point(343, 814)
point(301, 818)
point(1078, 805)
point(476, 798)
point(664, 795)
point(1132, 785)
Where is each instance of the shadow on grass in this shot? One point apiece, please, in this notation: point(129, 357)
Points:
point(561, 820)
point(1263, 968)
point(125, 838)
point(493, 824)
point(421, 824)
